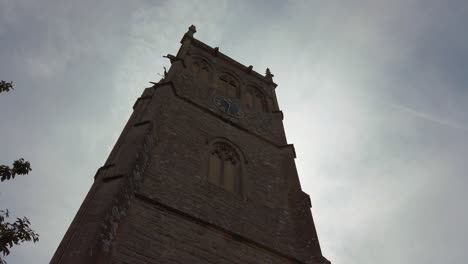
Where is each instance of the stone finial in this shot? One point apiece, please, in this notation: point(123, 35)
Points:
point(268, 74)
point(191, 30)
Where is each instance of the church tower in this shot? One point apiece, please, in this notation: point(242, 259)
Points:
point(202, 173)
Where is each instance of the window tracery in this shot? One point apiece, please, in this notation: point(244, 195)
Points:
point(224, 167)
point(256, 99)
point(201, 69)
point(229, 85)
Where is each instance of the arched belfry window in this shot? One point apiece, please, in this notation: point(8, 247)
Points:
point(201, 69)
point(224, 168)
point(255, 99)
point(228, 85)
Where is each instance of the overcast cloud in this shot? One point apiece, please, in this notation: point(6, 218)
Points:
point(374, 94)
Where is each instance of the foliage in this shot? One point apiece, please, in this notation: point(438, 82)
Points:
point(20, 167)
point(19, 231)
point(5, 86)
point(14, 233)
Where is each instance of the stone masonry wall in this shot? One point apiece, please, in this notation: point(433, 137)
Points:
point(176, 178)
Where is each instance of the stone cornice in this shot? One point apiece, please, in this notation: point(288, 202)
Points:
point(230, 60)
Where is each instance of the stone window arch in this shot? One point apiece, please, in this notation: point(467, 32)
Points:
point(201, 69)
point(225, 167)
point(229, 85)
point(256, 99)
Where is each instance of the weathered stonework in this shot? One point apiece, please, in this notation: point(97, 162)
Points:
point(152, 201)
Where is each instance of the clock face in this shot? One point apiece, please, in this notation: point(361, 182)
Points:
point(228, 106)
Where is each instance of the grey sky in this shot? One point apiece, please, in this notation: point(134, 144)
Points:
point(374, 94)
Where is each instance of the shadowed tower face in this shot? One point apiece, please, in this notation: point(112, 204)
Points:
point(201, 173)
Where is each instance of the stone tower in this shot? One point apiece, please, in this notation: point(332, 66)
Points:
point(201, 173)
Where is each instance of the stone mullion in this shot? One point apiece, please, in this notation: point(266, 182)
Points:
point(221, 173)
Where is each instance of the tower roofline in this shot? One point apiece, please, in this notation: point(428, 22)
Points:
point(189, 36)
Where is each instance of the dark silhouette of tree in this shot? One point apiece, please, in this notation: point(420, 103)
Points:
point(5, 86)
point(19, 231)
point(14, 233)
point(20, 167)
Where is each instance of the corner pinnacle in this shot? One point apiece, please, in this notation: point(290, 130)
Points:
point(191, 30)
point(269, 75)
